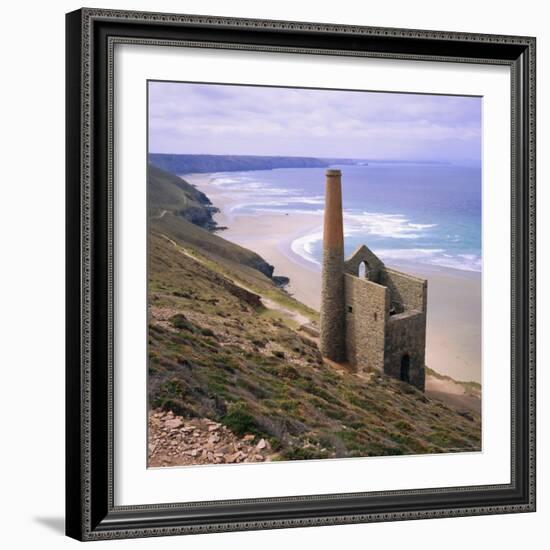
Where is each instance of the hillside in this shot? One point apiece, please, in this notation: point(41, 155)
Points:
point(179, 210)
point(219, 355)
point(169, 193)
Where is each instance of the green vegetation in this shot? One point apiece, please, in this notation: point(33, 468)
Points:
point(215, 353)
point(169, 193)
point(240, 421)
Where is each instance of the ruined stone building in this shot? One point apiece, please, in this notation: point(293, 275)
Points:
point(371, 316)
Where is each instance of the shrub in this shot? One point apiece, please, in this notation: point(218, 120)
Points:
point(181, 322)
point(171, 388)
point(259, 343)
point(299, 453)
point(290, 372)
point(403, 425)
point(240, 421)
point(182, 294)
point(275, 443)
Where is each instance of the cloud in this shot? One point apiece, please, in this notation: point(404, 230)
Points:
point(227, 119)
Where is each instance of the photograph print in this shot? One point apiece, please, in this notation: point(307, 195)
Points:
point(314, 274)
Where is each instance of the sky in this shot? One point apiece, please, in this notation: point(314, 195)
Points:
point(189, 118)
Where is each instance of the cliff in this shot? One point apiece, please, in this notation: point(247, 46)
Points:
point(179, 210)
point(169, 193)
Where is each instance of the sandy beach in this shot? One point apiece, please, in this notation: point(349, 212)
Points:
point(453, 344)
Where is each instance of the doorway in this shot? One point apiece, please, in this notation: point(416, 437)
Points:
point(405, 368)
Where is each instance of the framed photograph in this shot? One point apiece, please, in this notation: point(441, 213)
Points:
point(300, 274)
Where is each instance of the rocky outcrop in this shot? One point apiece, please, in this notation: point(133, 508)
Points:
point(167, 192)
point(251, 298)
point(177, 441)
point(172, 201)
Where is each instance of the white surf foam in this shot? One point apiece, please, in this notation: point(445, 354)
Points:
point(431, 256)
point(303, 246)
point(379, 224)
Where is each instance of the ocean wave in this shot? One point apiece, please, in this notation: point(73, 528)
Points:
point(304, 246)
point(379, 224)
point(463, 262)
point(251, 188)
point(376, 224)
point(257, 195)
point(258, 198)
point(408, 253)
point(431, 256)
point(277, 205)
point(228, 178)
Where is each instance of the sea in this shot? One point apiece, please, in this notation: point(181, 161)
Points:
point(423, 214)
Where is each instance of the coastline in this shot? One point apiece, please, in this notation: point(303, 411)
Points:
point(453, 344)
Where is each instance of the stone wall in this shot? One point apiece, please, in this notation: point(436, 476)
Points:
point(406, 334)
point(366, 311)
point(409, 291)
point(360, 255)
point(375, 320)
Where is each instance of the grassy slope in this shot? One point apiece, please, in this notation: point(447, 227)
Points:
point(238, 263)
point(180, 210)
point(168, 192)
point(213, 354)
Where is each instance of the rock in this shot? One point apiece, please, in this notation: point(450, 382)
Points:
point(177, 441)
point(172, 424)
point(467, 415)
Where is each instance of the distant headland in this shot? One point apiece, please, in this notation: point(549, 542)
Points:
point(199, 164)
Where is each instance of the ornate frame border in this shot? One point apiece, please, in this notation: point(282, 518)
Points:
point(91, 37)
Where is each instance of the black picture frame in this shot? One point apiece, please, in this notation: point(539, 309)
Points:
point(90, 510)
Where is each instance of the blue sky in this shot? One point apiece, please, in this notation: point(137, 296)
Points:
point(249, 120)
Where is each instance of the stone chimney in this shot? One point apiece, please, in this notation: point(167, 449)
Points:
point(332, 289)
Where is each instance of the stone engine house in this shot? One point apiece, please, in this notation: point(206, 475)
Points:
point(371, 316)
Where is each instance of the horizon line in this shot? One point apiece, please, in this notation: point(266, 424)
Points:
point(365, 159)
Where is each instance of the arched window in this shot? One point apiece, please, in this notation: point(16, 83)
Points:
point(363, 270)
point(405, 368)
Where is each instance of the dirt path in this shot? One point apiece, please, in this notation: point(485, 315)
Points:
point(161, 215)
point(295, 316)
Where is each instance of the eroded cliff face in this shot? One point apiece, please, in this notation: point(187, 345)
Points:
point(171, 198)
